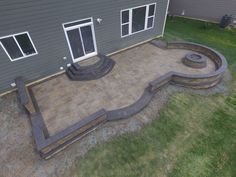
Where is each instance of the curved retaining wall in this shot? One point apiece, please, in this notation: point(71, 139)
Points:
point(195, 81)
point(200, 80)
point(48, 145)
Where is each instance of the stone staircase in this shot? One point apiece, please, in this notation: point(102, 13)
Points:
point(91, 72)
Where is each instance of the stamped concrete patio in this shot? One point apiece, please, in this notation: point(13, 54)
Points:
point(63, 102)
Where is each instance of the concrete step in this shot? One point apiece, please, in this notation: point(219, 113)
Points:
point(92, 72)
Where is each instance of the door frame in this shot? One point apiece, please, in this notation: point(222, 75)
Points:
point(78, 27)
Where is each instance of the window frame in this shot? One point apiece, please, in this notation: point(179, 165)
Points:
point(129, 23)
point(77, 26)
point(20, 48)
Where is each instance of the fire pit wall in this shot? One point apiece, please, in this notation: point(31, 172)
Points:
point(201, 80)
point(195, 60)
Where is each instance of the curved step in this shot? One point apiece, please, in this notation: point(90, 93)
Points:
point(77, 69)
point(96, 74)
point(82, 70)
point(91, 72)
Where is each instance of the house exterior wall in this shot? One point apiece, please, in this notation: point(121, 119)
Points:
point(212, 10)
point(43, 20)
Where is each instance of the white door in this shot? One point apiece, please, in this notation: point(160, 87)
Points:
point(81, 39)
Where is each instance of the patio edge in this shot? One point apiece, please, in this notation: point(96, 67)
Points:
point(48, 145)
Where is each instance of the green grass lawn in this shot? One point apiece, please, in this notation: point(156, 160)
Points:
point(195, 135)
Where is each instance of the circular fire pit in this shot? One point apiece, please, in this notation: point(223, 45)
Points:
point(195, 60)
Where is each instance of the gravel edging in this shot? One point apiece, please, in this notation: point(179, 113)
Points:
point(19, 158)
point(135, 123)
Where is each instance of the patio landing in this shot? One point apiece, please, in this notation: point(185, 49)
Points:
point(63, 102)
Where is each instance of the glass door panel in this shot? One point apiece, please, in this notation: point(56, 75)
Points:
point(80, 36)
point(75, 43)
point(88, 41)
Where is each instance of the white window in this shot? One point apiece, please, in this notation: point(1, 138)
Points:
point(18, 46)
point(81, 39)
point(137, 19)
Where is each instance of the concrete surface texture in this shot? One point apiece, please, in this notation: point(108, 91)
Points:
point(134, 69)
point(63, 102)
point(18, 157)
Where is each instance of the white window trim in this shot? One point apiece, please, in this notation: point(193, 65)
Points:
point(131, 17)
point(24, 55)
point(65, 29)
point(163, 29)
point(82, 24)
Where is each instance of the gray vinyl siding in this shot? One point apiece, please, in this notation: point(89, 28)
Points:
point(212, 10)
point(43, 20)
